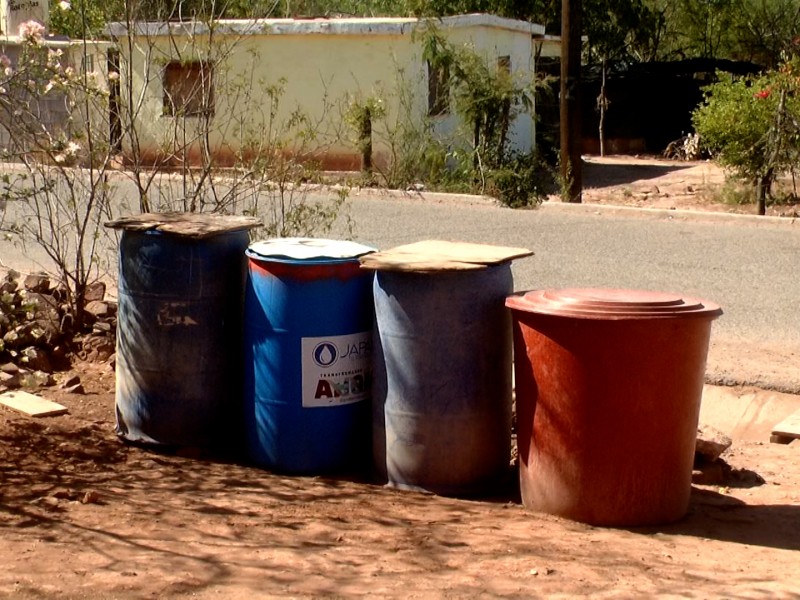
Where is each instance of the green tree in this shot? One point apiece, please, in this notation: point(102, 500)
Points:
point(766, 32)
point(751, 126)
point(487, 98)
point(617, 30)
point(74, 17)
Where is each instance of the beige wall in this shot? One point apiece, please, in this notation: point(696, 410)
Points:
point(493, 42)
point(320, 75)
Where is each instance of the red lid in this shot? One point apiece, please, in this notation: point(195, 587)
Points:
point(612, 304)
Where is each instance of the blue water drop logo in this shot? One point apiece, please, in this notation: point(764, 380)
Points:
point(325, 354)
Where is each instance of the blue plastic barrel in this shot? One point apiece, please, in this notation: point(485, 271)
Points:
point(442, 379)
point(179, 337)
point(308, 355)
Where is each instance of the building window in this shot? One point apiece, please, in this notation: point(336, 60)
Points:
point(438, 90)
point(87, 64)
point(189, 89)
point(504, 64)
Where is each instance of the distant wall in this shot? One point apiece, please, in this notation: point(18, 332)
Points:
point(320, 74)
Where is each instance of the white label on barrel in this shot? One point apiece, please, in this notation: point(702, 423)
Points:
point(336, 369)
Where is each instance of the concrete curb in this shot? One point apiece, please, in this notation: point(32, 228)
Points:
point(585, 207)
point(771, 385)
point(669, 214)
point(424, 196)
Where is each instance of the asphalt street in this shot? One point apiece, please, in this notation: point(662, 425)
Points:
point(744, 264)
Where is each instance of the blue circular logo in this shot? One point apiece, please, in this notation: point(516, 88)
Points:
point(325, 354)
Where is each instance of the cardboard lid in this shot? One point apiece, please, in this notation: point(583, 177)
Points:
point(304, 248)
point(191, 225)
point(437, 255)
point(611, 304)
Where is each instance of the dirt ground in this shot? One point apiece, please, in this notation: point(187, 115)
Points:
point(649, 182)
point(83, 515)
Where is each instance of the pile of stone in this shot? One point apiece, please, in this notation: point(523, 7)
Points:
point(37, 332)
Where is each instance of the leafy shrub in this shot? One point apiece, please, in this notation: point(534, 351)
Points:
point(524, 181)
point(751, 125)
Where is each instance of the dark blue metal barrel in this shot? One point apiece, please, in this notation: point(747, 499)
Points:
point(442, 379)
point(308, 355)
point(180, 331)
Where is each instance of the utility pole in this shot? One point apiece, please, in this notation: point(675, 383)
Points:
point(571, 176)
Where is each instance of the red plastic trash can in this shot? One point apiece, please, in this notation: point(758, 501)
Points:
point(608, 388)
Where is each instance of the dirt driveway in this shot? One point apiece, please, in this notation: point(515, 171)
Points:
point(648, 182)
point(83, 515)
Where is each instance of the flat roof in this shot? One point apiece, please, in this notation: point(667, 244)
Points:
point(322, 26)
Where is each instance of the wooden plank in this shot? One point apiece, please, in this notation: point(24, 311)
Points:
point(31, 405)
point(787, 430)
point(437, 255)
point(191, 225)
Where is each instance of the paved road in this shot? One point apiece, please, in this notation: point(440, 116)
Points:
point(745, 265)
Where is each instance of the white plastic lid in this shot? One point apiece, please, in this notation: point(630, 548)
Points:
point(301, 248)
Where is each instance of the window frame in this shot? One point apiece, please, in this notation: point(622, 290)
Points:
point(188, 89)
point(438, 90)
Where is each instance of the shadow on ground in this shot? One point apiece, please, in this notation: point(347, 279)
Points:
point(599, 175)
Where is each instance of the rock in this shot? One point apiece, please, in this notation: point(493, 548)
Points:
point(90, 497)
point(10, 368)
point(710, 444)
point(37, 379)
point(37, 282)
point(37, 334)
point(98, 347)
point(45, 307)
point(12, 339)
point(8, 287)
point(75, 389)
point(95, 291)
point(35, 359)
point(102, 327)
point(98, 308)
point(714, 473)
point(58, 354)
point(10, 381)
point(70, 381)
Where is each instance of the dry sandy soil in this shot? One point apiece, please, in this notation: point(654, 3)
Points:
point(647, 182)
point(83, 515)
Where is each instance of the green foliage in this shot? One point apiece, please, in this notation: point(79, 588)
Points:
point(486, 97)
point(524, 181)
point(752, 125)
point(620, 29)
point(361, 116)
point(761, 31)
point(77, 19)
point(733, 123)
point(765, 31)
